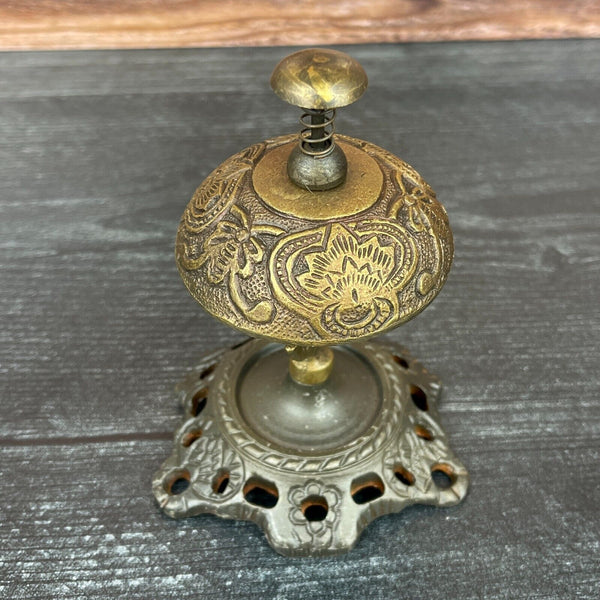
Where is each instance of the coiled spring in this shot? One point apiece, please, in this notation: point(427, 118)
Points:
point(316, 135)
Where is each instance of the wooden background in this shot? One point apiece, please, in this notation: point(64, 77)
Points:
point(51, 24)
point(100, 153)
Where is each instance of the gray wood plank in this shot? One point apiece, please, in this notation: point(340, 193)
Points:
point(99, 154)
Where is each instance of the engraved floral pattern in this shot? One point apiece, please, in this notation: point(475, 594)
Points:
point(351, 278)
point(232, 247)
point(233, 250)
point(252, 267)
point(345, 277)
point(319, 533)
point(418, 208)
point(414, 196)
point(219, 190)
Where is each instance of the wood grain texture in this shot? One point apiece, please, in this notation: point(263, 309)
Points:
point(99, 154)
point(46, 24)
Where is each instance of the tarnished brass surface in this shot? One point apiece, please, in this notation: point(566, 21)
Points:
point(302, 281)
point(359, 192)
point(319, 78)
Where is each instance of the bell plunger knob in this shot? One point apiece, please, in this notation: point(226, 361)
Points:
point(318, 81)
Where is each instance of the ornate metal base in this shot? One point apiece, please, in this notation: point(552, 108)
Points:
point(311, 465)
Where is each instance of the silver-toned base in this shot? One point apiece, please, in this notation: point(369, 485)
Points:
point(311, 465)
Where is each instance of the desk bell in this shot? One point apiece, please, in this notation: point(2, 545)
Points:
point(312, 243)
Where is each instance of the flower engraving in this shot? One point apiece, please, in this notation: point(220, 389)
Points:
point(351, 278)
point(345, 277)
point(417, 206)
point(319, 532)
point(414, 196)
point(232, 251)
point(219, 190)
point(232, 247)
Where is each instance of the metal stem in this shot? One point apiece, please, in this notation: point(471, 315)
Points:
point(310, 365)
point(318, 118)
